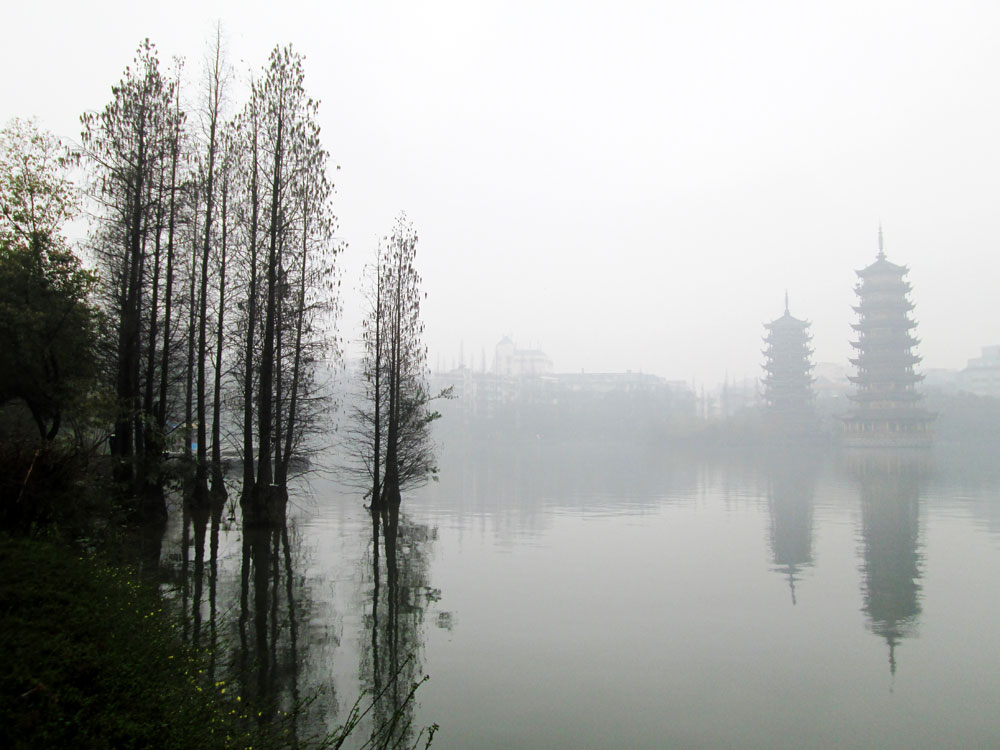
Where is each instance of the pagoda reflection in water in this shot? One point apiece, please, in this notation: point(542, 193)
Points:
point(890, 483)
point(791, 488)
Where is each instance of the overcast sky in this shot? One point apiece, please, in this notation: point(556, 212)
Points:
point(624, 185)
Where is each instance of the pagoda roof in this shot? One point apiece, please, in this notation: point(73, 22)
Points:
point(787, 323)
point(883, 267)
point(787, 320)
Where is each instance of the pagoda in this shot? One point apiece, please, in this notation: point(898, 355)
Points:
point(887, 410)
point(788, 379)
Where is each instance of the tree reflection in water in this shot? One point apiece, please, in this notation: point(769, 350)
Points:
point(253, 645)
point(391, 665)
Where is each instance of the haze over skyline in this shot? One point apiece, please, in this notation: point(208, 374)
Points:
point(628, 186)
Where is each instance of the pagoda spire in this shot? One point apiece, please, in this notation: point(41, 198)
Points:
point(881, 244)
point(786, 302)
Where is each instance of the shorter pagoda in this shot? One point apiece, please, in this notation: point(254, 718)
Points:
point(887, 410)
point(788, 392)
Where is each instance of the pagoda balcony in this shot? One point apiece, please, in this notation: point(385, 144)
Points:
point(876, 358)
point(780, 386)
point(883, 305)
point(900, 398)
point(801, 345)
point(887, 379)
point(794, 358)
point(870, 325)
point(914, 414)
point(898, 344)
point(894, 285)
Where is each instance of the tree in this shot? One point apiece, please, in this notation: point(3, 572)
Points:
point(132, 145)
point(391, 425)
point(287, 267)
point(216, 76)
point(47, 324)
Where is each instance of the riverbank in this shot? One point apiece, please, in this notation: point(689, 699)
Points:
point(92, 659)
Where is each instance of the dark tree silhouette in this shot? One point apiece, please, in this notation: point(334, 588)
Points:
point(47, 326)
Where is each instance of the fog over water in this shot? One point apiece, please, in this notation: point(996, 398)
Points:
point(633, 188)
point(627, 186)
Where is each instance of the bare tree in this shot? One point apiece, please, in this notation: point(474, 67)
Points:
point(390, 424)
point(128, 144)
point(288, 266)
point(215, 83)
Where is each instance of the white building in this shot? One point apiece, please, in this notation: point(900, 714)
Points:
point(982, 374)
point(510, 361)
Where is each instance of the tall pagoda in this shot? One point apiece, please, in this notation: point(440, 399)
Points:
point(887, 408)
point(788, 379)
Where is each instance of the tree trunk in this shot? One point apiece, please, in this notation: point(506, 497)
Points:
point(201, 472)
point(265, 407)
point(218, 490)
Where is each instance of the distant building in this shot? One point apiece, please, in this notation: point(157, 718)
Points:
point(982, 374)
point(510, 361)
point(886, 402)
point(521, 391)
point(787, 382)
point(830, 381)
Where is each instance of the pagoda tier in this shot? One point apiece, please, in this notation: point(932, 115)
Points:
point(883, 308)
point(901, 339)
point(869, 360)
point(876, 284)
point(894, 383)
point(882, 269)
point(879, 396)
point(884, 326)
point(886, 402)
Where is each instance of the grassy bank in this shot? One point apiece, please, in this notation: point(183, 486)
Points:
point(91, 659)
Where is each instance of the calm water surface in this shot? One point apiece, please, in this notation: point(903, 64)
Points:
point(594, 596)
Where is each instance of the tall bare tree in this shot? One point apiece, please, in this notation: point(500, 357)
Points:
point(128, 144)
point(390, 427)
point(287, 263)
point(214, 91)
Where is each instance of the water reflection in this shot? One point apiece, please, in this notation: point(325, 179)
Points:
point(248, 614)
point(577, 539)
point(268, 622)
point(890, 484)
point(791, 479)
point(391, 662)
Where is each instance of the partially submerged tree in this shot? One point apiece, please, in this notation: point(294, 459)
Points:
point(216, 75)
point(287, 264)
point(190, 224)
point(131, 146)
point(391, 424)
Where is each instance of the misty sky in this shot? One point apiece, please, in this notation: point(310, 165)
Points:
point(624, 185)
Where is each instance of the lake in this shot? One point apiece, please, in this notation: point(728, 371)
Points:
point(581, 595)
